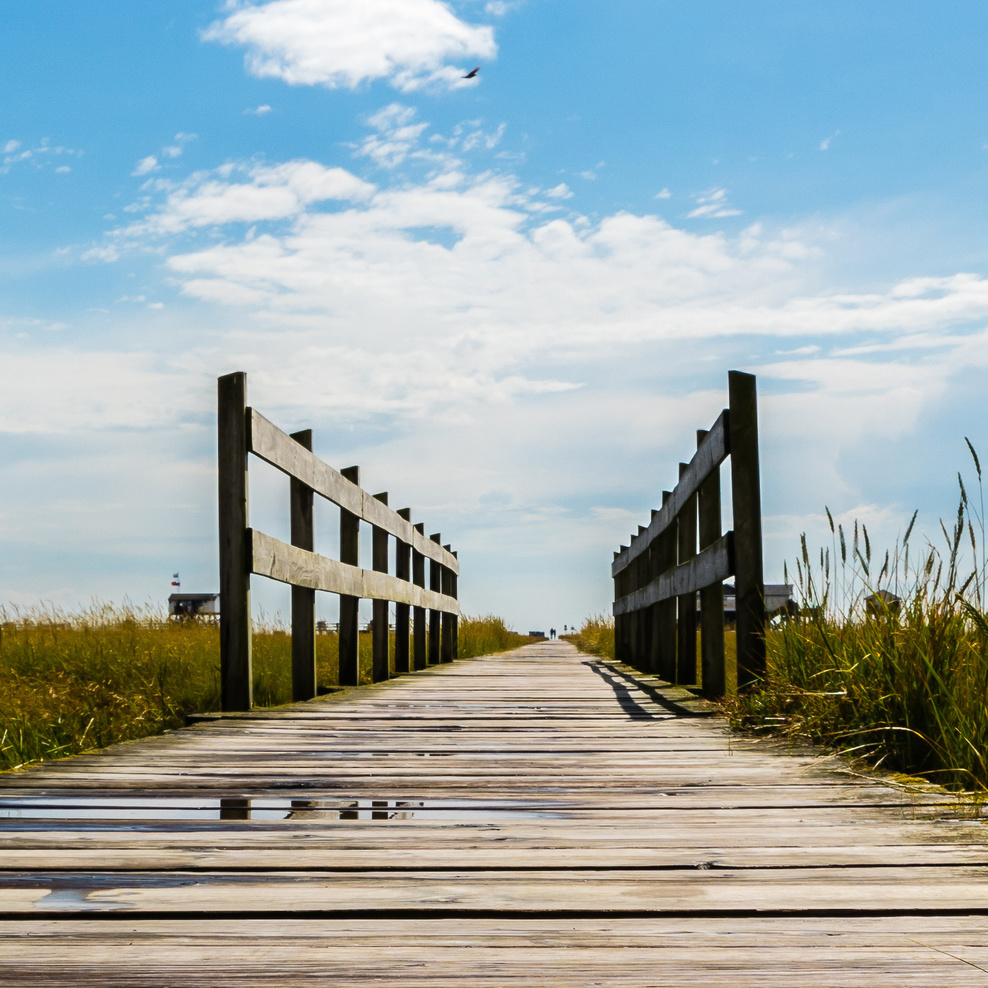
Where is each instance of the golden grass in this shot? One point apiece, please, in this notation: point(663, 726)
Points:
point(73, 683)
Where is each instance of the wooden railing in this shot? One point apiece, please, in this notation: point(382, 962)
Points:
point(245, 551)
point(657, 577)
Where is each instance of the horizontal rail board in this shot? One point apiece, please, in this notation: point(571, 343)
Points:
point(273, 446)
point(288, 564)
point(713, 565)
point(710, 455)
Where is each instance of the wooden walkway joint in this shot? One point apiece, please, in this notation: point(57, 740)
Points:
point(534, 818)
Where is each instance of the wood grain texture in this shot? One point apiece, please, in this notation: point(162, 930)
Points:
point(277, 448)
point(537, 817)
point(234, 546)
point(710, 454)
point(280, 561)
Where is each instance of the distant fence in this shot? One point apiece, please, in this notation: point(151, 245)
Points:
point(243, 551)
point(657, 577)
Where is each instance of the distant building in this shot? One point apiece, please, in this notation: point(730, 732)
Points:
point(536, 634)
point(882, 602)
point(188, 606)
point(778, 601)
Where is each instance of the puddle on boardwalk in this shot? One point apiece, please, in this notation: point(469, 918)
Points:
point(126, 809)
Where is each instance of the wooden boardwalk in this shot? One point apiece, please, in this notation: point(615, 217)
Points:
point(534, 818)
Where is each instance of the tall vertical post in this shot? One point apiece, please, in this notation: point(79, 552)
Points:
point(618, 618)
point(349, 637)
point(454, 592)
point(235, 552)
point(447, 619)
point(634, 616)
point(665, 611)
point(419, 659)
point(381, 635)
point(303, 599)
point(712, 672)
point(649, 614)
point(403, 570)
point(621, 621)
point(686, 603)
point(747, 505)
point(435, 617)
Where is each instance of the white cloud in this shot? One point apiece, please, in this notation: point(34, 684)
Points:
point(664, 194)
point(825, 143)
point(146, 165)
point(267, 192)
point(561, 191)
point(396, 135)
point(11, 146)
point(259, 111)
point(337, 43)
point(712, 204)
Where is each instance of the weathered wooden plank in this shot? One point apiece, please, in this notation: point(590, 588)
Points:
point(701, 889)
point(303, 598)
point(349, 633)
point(711, 565)
point(747, 507)
point(381, 638)
point(712, 452)
point(234, 546)
point(693, 836)
point(279, 561)
point(277, 448)
point(403, 571)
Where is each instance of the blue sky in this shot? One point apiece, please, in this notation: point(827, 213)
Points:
point(512, 300)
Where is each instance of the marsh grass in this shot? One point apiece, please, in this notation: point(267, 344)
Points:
point(74, 683)
point(903, 685)
point(595, 637)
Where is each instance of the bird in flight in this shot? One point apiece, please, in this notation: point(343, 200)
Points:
point(472, 74)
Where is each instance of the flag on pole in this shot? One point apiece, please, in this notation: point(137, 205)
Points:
point(175, 580)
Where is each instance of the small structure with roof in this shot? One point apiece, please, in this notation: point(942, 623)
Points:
point(189, 606)
point(882, 602)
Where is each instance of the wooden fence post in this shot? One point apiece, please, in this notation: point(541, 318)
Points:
point(634, 617)
point(620, 620)
point(349, 636)
point(454, 592)
point(381, 637)
point(712, 671)
point(236, 691)
point(303, 599)
point(747, 504)
point(420, 657)
point(665, 611)
point(447, 619)
point(686, 603)
point(403, 570)
point(435, 617)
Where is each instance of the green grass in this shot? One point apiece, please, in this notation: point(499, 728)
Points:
point(74, 683)
point(905, 687)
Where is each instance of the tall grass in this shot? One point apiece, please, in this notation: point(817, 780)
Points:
point(73, 683)
point(902, 684)
point(485, 635)
point(595, 637)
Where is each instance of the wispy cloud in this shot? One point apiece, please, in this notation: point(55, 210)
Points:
point(712, 204)
point(825, 143)
point(43, 154)
point(340, 44)
point(146, 165)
